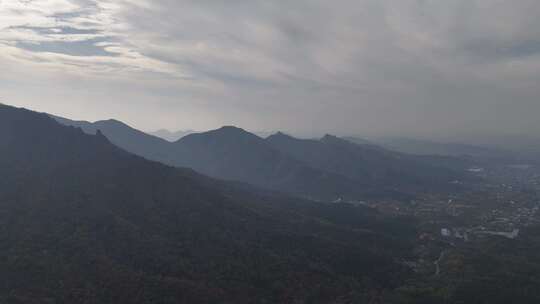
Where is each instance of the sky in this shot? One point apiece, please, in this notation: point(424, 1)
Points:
point(424, 68)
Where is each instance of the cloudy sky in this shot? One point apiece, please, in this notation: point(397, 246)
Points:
point(398, 67)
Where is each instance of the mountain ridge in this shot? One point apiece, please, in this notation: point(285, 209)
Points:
point(87, 222)
point(233, 153)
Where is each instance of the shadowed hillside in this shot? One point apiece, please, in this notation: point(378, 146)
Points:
point(86, 222)
point(323, 170)
point(367, 164)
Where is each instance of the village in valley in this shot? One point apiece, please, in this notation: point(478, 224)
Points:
point(500, 208)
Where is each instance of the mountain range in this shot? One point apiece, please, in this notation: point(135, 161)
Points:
point(83, 221)
point(329, 168)
point(429, 147)
point(368, 164)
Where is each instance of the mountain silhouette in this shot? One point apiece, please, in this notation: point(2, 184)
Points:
point(83, 221)
point(125, 137)
point(235, 154)
point(366, 164)
point(325, 169)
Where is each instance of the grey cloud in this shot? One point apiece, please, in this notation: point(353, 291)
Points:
point(353, 66)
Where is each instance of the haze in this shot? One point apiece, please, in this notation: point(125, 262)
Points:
point(410, 67)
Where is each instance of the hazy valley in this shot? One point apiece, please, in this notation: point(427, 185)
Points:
point(269, 152)
point(363, 223)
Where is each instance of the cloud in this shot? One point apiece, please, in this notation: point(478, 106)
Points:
point(78, 37)
point(351, 66)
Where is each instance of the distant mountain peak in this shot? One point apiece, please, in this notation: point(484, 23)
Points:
point(112, 122)
point(329, 136)
point(225, 134)
point(280, 135)
point(230, 131)
point(332, 139)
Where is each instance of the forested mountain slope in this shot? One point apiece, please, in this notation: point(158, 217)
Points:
point(83, 221)
point(324, 170)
